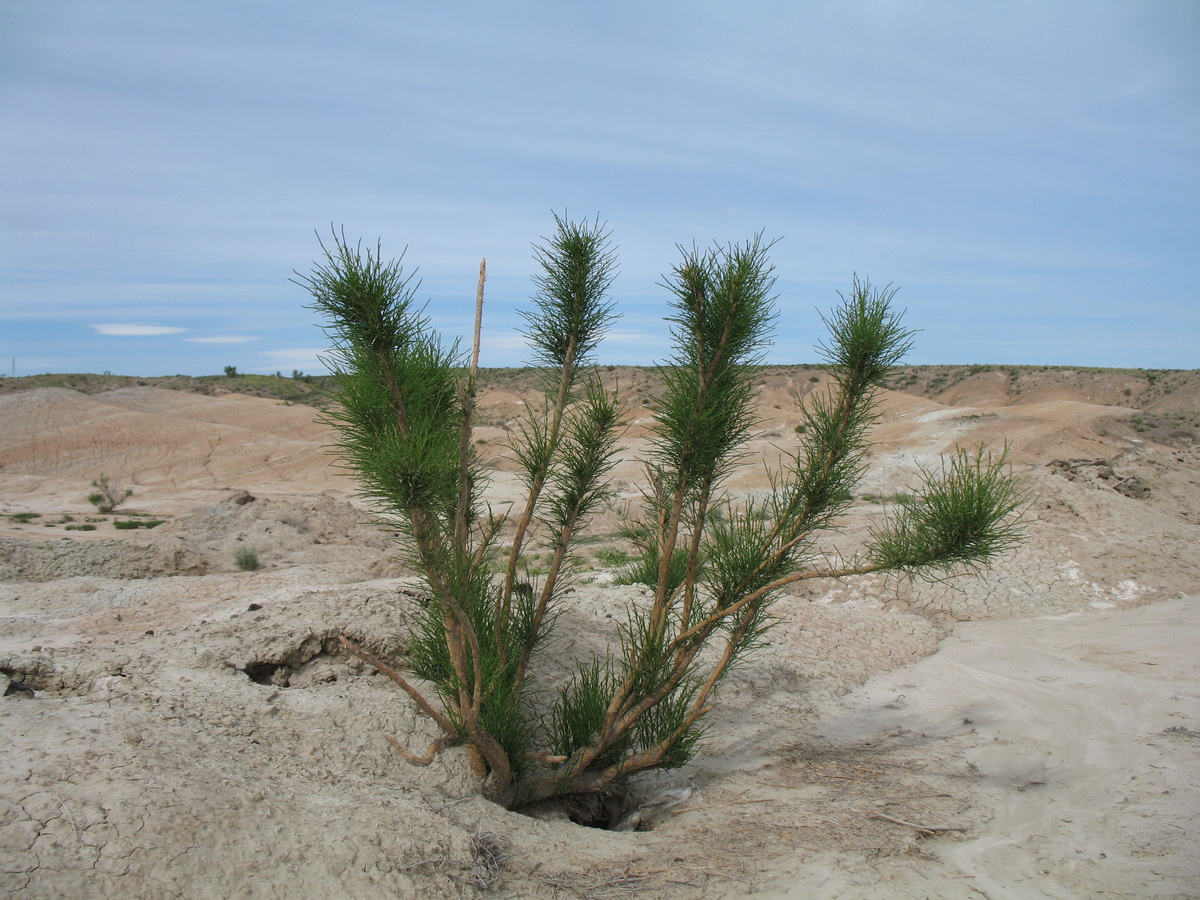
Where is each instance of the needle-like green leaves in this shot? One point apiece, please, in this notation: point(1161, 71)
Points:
point(715, 563)
point(966, 514)
point(571, 309)
point(722, 311)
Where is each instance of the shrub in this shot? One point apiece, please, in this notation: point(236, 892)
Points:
point(80, 528)
point(24, 517)
point(405, 408)
point(612, 556)
point(136, 523)
point(246, 559)
point(231, 371)
point(107, 495)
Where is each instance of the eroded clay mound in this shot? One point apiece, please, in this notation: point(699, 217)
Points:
point(24, 560)
point(288, 531)
point(188, 761)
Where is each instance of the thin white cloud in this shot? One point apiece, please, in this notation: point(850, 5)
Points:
point(1031, 158)
point(515, 341)
point(222, 339)
point(504, 343)
point(296, 357)
point(136, 329)
point(632, 337)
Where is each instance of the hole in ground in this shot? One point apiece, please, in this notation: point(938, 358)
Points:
point(280, 667)
point(269, 673)
point(611, 811)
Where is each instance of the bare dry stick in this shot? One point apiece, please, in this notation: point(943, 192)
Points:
point(442, 721)
point(465, 486)
point(546, 757)
point(924, 829)
point(478, 315)
point(688, 809)
point(434, 749)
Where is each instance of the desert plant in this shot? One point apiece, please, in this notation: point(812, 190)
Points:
point(612, 556)
point(231, 371)
point(107, 495)
point(405, 405)
point(246, 559)
point(130, 524)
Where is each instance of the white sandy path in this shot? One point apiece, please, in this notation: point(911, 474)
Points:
point(1091, 794)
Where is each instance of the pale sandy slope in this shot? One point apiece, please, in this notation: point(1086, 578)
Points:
point(182, 744)
point(1078, 739)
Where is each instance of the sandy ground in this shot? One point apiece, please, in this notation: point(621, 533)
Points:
point(1064, 746)
point(195, 732)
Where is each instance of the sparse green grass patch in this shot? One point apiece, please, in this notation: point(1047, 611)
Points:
point(107, 496)
point(613, 556)
point(246, 559)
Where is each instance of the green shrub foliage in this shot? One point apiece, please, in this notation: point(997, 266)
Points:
point(246, 559)
point(107, 495)
point(404, 410)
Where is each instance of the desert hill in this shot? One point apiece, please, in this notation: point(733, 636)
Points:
point(1166, 400)
point(194, 730)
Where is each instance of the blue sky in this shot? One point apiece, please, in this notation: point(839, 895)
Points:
point(1028, 173)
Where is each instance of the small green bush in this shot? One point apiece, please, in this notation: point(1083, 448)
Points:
point(23, 517)
point(137, 523)
point(404, 404)
point(902, 498)
point(81, 528)
point(613, 556)
point(246, 559)
point(107, 496)
point(645, 570)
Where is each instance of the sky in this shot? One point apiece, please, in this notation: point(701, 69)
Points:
point(1027, 174)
